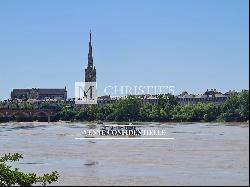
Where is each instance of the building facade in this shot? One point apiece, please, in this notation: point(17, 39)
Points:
point(212, 96)
point(39, 94)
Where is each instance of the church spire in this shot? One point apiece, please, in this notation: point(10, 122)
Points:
point(90, 36)
point(90, 71)
point(90, 57)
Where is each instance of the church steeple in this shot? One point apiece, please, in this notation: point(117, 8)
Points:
point(90, 36)
point(90, 71)
point(90, 56)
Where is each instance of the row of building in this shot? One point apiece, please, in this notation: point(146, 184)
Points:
point(210, 96)
point(54, 95)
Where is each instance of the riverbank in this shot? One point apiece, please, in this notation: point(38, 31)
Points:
point(130, 108)
point(126, 122)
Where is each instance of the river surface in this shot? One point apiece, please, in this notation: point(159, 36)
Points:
point(199, 154)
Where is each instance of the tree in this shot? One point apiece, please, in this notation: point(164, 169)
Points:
point(87, 113)
point(199, 111)
point(145, 111)
point(184, 113)
point(167, 101)
point(155, 113)
point(230, 109)
point(10, 177)
point(127, 108)
point(166, 104)
point(67, 114)
point(211, 112)
point(104, 112)
point(244, 105)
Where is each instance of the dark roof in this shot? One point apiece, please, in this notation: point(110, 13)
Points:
point(40, 91)
point(20, 91)
point(51, 91)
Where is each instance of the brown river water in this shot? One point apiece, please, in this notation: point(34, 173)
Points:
point(199, 154)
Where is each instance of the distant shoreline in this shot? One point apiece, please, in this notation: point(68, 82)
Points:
point(136, 122)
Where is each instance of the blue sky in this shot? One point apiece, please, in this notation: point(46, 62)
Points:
point(191, 44)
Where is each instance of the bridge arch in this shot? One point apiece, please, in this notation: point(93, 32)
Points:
point(29, 115)
point(21, 116)
point(1, 115)
point(40, 113)
point(21, 113)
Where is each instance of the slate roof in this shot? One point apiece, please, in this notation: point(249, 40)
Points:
point(40, 91)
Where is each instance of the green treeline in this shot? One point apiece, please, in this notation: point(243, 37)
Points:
point(167, 108)
point(236, 108)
